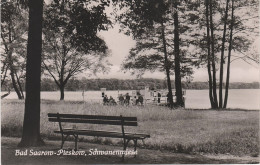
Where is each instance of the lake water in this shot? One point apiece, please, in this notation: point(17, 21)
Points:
point(238, 98)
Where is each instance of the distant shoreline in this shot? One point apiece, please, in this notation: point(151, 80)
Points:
point(48, 84)
point(135, 89)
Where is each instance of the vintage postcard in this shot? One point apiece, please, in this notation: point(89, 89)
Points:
point(130, 82)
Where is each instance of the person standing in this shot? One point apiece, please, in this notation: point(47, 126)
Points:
point(105, 99)
point(127, 99)
point(140, 99)
point(121, 99)
point(159, 97)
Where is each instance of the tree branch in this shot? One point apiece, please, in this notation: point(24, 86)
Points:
point(51, 74)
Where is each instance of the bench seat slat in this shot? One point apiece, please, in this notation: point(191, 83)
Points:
point(104, 134)
point(126, 133)
point(92, 117)
point(72, 129)
point(108, 122)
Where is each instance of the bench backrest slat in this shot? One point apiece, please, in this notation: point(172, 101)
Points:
point(108, 122)
point(93, 119)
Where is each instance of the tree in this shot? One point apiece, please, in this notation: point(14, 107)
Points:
point(212, 101)
point(152, 25)
point(13, 37)
point(177, 70)
point(31, 124)
point(234, 22)
point(216, 41)
point(207, 46)
point(212, 41)
point(65, 55)
point(222, 55)
point(150, 16)
point(229, 54)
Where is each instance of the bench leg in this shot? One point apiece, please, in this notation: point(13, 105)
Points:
point(125, 145)
point(135, 145)
point(76, 142)
point(124, 148)
point(143, 142)
point(63, 140)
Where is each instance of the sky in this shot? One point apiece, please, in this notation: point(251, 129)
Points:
point(120, 44)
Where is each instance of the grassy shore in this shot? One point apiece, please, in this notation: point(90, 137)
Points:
point(187, 131)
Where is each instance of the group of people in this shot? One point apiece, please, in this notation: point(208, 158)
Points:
point(133, 100)
point(110, 100)
point(124, 100)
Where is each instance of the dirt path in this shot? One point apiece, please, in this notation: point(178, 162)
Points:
point(145, 156)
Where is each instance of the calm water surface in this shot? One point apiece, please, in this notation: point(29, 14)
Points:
point(238, 98)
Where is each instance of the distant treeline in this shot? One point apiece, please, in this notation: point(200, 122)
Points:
point(131, 84)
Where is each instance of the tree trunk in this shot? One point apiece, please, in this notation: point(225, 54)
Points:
point(213, 57)
point(177, 68)
point(222, 57)
point(61, 91)
point(212, 103)
point(10, 61)
point(14, 84)
point(11, 68)
point(31, 125)
point(62, 84)
point(5, 73)
point(167, 68)
point(20, 85)
point(229, 55)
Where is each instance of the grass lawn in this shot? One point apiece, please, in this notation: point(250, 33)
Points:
point(233, 132)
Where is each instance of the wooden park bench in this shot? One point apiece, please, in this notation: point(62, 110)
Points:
point(97, 119)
